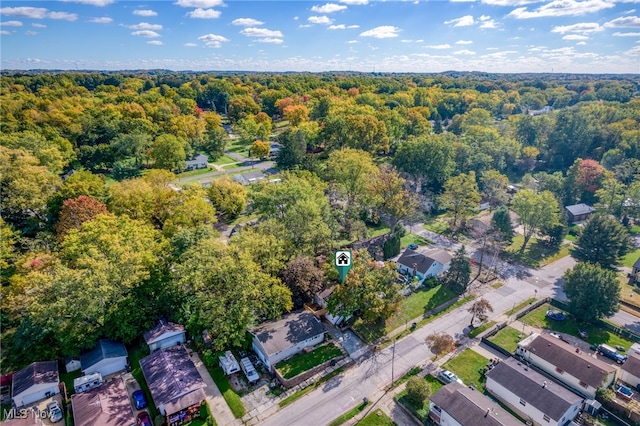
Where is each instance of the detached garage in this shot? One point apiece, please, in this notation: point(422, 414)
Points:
point(106, 358)
point(164, 335)
point(37, 381)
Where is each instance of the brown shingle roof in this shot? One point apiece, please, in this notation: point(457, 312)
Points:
point(470, 408)
point(632, 364)
point(564, 356)
point(106, 405)
point(163, 326)
point(36, 373)
point(289, 331)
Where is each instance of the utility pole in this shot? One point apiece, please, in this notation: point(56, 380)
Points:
point(393, 359)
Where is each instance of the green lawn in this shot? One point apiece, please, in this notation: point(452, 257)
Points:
point(225, 159)
point(537, 252)
point(631, 258)
point(435, 383)
point(597, 334)
point(487, 325)
point(436, 224)
point(520, 306)
point(635, 229)
point(233, 399)
point(507, 338)
point(193, 173)
point(467, 367)
point(135, 355)
point(377, 418)
point(420, 412)
point(414, 239)
point(349, 414)
point(299, 394)
point(571, 238)
point(304, 361)
point(67, 378)
point(375, 231)
point(412, 307)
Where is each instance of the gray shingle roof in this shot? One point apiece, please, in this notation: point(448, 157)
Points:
point(535, 389)
point(578, 209)
point(564, 356)
point(163, 326)
point(632, 364)
point(411, 258)
point(289, 331)
point(36, 373)
point(170, 374)
point(104, 349)
point(470, 408)
point(636, 264)
point(106, 405)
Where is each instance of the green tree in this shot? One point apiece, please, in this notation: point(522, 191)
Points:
point(418, 391)
point(79, 183)
point(494, 188)
point(228, 197)
point(168, 152)
point(604, 241)
point(461, 196)
point(536, 211)
point(429, 158)
point(459, 273)
point(369, 291)
point(501, 221)
point(390, 196)
point(611, 197)
point(593, 292)
point(351, 170)
point(303, 278)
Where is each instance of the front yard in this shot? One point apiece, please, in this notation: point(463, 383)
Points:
point(508, 338)
point(597, 334)
point(304, 361)
point(537, 253)
point(421, 412)
point(377, 418)
point(467, 366)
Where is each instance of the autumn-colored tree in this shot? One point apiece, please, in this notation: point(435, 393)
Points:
point(391, 197)
point(351, 171)
point(228, 197)
point(303, 278)
point(440, 343)
point(75, 212)
point(296, 114)
point(479, 310)
point(584, 178)
point(260, 149)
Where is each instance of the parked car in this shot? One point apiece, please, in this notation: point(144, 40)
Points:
point(412, 247)
point(556, 315)
point(448, 377)
point(143, 419)
point(139, 400)
point(611, 353)
point(55, 412)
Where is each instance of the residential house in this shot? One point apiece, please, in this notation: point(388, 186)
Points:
point(108, 357)
point(579, 212)
point(423, 266)
point(200, 161)
point(164, 334)
point(635, 271)
point(630, 370)
point(458, 405)
point(251, 177)
point(531, 395)
point(569, 365)
point(35, 382)
point(275, 341)
point(321, 299)
point(105, 405)
point(544, 110)
point(176, 386)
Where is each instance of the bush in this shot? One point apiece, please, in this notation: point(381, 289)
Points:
point(418, 390)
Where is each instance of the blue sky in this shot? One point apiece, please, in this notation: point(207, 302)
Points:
point(591, 36)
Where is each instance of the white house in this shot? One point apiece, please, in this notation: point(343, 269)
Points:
point(458, 405)
point(164, 334)
point(630, 370)
point(108, 357)
point(275, 341)
point(569, 365)
point(200, 161)
point(37, 381)
point(531, 395)
point(423, 266)
point(72, 364)
point(321, 300)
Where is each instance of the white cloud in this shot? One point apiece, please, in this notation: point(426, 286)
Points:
point(581, 43)
point(98, 3)
point(31, 33)
point(383, 31)
point(322, 20)
point(353, 42)
point(37, 25)
point(581, 28)
point(145, 26)
point(489, 25)
point(66, 16)
point(420, 41)
point(464, 21)
point(272, 40)
point(575, 37)
point(145, 12)
point(406, 41)
point(509, 2)
point(213, 40)
point(11, 24)
point(562, 8)
point(464, 42)
point(202, 4)
point(328, 8)
point(337, 27)
point(102, 20)
point(190, 45)
point(305, 26)
point(24, 12)
point(261, 32)
point(204, 14)
point(439, 46)
point(462, 1)
point(625, 22)
point(464, 52)
point(146, 33)
point(619, 34)
point(4, 32)
point(155, 42)
point(355, 2)
point(628, 12)
point(246, 22)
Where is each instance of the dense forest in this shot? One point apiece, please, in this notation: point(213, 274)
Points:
point(98, 238)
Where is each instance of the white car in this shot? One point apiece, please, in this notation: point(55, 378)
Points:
point(448, 377)
point(55, 412)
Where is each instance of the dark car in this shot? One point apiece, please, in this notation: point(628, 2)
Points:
point(143, 419)
point(556, 315)
point(139, 400)
point(412, 247)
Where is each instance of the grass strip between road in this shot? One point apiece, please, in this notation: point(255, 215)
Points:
point(473, 333)
point(520, 306)
point(297, 395)
point(349, 414)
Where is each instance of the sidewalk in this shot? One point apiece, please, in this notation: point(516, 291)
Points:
point(218, 406)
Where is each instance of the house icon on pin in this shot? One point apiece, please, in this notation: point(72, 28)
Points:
point(343, 258)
